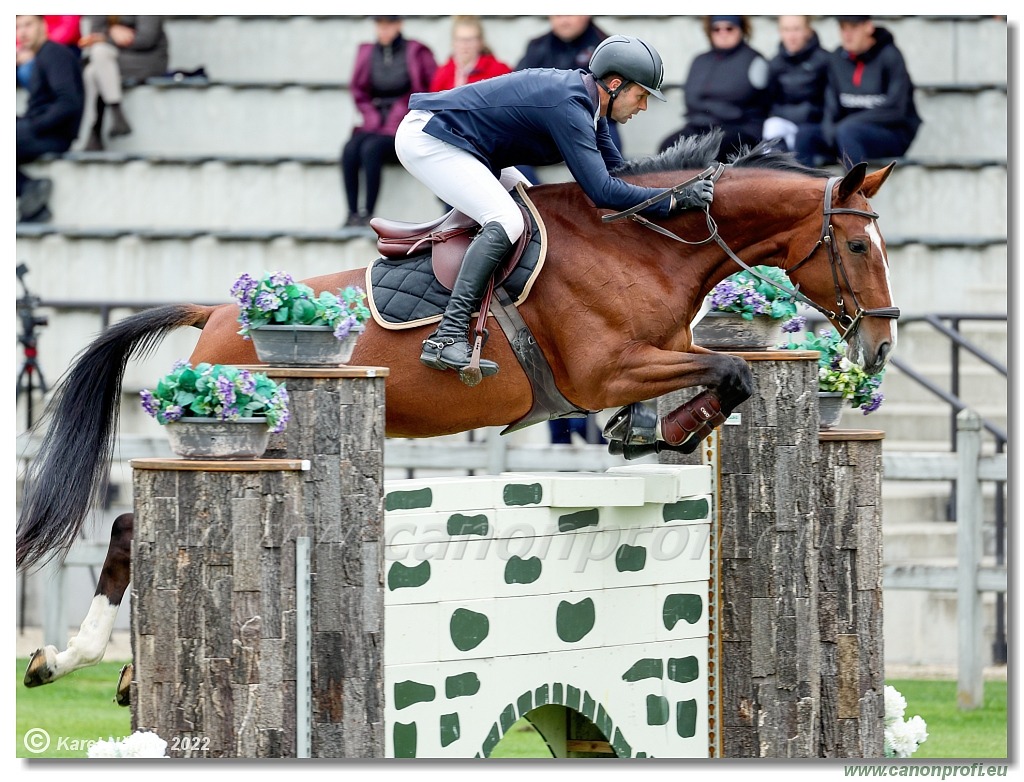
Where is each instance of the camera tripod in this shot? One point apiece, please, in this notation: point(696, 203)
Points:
point(30, 376)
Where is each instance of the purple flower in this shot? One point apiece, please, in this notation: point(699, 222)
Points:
point(874, 403)
point(344, 327)
point(795, 324)
point(267, 301)
point(149, 403)
point(280, 279)
point(246, 382)
point(226, 390)
point(172, 413)
point(243, 290)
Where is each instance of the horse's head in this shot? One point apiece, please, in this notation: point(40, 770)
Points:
point(847, 273)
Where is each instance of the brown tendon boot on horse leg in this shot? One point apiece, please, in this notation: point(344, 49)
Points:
point(692, 421)
point(448, 347)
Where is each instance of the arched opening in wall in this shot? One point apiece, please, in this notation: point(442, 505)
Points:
point(553, 731)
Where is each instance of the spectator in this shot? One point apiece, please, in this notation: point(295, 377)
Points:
point(120, 50)
point(797, 78)
point(568, 45)
point(60, 29)
point(51, 119)
point(869, 103)
point(726, 87)
point(471, 59)
point(386, 73)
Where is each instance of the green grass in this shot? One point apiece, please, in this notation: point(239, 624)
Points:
point(953, 733)
point(80, 707)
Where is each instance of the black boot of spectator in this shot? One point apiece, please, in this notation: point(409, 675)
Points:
point(120, 126)
point(32, 204)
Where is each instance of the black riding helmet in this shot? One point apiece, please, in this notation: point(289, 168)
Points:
point(633, 60)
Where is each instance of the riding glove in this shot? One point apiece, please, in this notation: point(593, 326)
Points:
point(696, 196)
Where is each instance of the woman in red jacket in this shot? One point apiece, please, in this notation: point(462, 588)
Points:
point(386, 73)
point(471, 58)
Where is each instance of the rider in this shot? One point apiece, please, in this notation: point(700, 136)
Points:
point(463, 143)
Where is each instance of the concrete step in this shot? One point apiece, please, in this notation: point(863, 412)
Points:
point(305, 193)
point(921, 419)
point(921, 275)
point(978, 384)
point(217, 118)
point(939, 49)
point(920, 342)
point(927, 502)
point(916, 541)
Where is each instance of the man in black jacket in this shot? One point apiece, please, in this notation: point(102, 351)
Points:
point(869, 104)
point(50, 124)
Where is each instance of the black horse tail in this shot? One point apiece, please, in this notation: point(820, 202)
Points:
point(65, 478)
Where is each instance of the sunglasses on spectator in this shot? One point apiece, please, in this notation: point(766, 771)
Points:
point(723, 28)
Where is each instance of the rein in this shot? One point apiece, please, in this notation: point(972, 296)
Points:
point(826, 237)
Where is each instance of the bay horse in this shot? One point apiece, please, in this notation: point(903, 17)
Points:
point(611, 311)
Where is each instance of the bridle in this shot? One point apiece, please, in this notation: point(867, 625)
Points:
point(841, 315)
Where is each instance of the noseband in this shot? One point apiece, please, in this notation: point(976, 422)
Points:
point(842, 315)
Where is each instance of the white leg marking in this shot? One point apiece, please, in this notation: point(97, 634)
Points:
point(88, 646)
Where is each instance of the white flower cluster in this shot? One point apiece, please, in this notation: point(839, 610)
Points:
point(141, 744)
point(902, 737)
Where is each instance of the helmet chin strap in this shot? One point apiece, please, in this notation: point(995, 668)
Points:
point(612, 95)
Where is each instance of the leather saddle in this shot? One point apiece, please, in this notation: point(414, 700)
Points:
point(447, 238)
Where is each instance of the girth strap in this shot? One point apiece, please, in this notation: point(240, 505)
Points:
point(548, 401)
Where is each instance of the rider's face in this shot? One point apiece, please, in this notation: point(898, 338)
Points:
point(631, 101)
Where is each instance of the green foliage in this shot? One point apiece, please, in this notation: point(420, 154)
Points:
point(836, 372)
point(216, 391)
point(276, 299)
point(748, 295)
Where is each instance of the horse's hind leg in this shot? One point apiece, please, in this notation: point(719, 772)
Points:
point(636, 430)
point(87, 648)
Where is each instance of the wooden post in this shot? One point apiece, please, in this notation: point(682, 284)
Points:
point(224, 606)
point(769, 669)
point(211, 597)
point(850, 593)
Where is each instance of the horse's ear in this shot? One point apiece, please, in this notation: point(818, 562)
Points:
point(852, 181)
point(872, 182)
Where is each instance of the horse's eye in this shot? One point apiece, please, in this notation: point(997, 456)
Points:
point(858, 246)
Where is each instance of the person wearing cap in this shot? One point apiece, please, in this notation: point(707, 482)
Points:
point(726, 87)
point(869, 104)
point(463, 145)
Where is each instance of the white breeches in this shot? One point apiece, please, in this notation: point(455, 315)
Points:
point(458, 178)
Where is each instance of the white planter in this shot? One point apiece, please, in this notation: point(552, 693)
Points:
point(212, 438)
point(730, 331)
point(303, 345)
point(830, 409)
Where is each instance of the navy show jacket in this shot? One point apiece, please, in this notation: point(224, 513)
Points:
point(536, 117)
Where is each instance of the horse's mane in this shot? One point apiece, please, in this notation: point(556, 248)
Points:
point(697, 152)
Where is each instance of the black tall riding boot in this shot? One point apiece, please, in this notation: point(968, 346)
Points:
point(448, 347)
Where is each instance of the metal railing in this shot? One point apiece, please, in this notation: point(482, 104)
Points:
point(948, 324)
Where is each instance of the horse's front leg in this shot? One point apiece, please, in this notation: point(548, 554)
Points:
point(87, 648)
point(636, 430)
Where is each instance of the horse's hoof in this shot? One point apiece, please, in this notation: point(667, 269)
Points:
point(629, 451)
point(40, 668)
point(122, 697)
